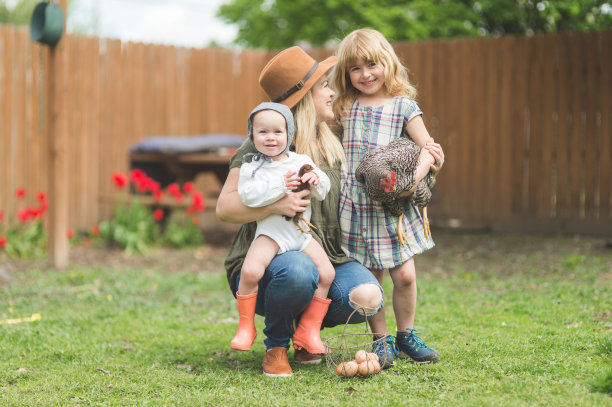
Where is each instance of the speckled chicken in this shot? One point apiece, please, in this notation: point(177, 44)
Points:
point(388, 171)
point(306, 168)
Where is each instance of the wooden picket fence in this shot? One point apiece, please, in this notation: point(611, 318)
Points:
point(525, 122)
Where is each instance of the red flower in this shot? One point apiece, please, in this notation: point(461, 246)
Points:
point(158, 215)
point(173, 189)
point(197, 202)
point(188, 187)
point(157, 194)
point(69, 234)
point(23, 215)
point(42, 197)
point(44, 205)
point(120, 180)
point(1, 215)
point(2, 241)
point(95, 230)
point(20, 193)
point(137, 175)
point(145, 184)
point(36, 213)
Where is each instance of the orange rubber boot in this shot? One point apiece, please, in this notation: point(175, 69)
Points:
point(246, 334)
point(308, 333)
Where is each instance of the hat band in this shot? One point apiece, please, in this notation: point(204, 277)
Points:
point(298, 86)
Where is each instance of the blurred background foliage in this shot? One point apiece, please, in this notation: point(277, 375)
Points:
point(17, 13)
point(274, 24)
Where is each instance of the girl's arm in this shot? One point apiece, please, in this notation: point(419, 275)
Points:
point(231, 209)
point(431, 152)
point(419, 134)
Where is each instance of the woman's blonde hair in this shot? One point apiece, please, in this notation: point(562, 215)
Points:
point(326, 146)
point(369, 45)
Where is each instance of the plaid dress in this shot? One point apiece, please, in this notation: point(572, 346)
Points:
point(369, 234)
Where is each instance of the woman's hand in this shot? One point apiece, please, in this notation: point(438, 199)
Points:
point(437, 153)
point(291, 204)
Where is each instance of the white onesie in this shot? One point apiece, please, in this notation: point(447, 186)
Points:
point(268, 186)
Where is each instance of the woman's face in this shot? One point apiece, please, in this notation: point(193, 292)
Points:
point(322, 96)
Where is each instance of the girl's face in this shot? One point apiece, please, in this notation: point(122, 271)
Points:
point(269, 132)
point(368, 77)
point(322, 96)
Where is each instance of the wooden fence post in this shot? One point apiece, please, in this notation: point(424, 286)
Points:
point(56, 142)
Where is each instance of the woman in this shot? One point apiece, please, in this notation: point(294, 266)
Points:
point(295, 79)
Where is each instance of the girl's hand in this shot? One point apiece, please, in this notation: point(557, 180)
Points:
point(437, 153)
point(310, 178)
point(292, 204)
point(291, 180)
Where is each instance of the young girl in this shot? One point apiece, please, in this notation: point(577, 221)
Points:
point(268, 177)
point(375, 105)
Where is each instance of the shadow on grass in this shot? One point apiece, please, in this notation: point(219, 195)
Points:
point(207, 357)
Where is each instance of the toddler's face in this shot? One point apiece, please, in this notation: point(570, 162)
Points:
point(269, 132)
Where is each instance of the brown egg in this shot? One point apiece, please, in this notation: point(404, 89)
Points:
point(340, 369)
point(376, 365)
point(372, 356)
point(361, 356)
point(347, 369)
point(366, 368)
point(351, 368)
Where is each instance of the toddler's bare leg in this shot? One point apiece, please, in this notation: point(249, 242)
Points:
point(324, 266)
point(260, 254)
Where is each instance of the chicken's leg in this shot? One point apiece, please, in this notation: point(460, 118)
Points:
point(426, 229)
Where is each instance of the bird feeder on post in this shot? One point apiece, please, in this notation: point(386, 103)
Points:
point(47, 27)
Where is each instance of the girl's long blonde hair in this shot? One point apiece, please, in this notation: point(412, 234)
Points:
point(326, 146)
point(369, 45)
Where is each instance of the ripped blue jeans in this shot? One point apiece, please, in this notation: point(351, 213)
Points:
point(288, 286)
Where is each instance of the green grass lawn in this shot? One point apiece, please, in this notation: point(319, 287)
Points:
point(517, 320)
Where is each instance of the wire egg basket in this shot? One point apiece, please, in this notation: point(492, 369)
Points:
point(343, 348)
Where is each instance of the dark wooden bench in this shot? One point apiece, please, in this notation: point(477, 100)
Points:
point(181, 159)
point(181, 168)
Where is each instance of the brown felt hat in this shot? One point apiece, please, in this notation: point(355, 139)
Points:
point(291, 73)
